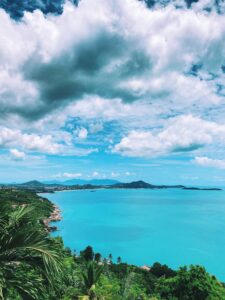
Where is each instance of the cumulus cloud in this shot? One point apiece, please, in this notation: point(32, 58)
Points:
point(112, 60)
point(115, 174)
point(17, 9)
point(81, 133)
point(17, 155)
point(184, 133)
point(15, 138)
point(204, 161)
point(96, 127)
point(95, 174)
point(123, 50)
point(129, 173)
point(57, 143)
point(68, 175)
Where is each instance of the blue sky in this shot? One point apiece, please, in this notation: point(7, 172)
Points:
point(113, 89)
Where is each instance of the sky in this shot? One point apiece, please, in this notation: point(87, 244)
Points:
point(121, 89)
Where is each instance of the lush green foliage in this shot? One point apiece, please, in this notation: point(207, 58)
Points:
point(25, 248)
point(42, 206)
point(35, 266)
point(190, 283)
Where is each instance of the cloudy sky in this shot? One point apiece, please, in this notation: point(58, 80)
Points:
point(122, 89)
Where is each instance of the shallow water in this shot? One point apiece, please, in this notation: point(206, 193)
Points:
point(175, 227)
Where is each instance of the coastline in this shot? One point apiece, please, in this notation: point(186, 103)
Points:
point(94, 189)
point(55, 216)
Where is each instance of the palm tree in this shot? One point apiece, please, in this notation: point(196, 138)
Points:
point(27, 257)
point(91, 277)
point(119, 260)
point(110, 258)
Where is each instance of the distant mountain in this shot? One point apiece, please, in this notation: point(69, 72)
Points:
point(103, 181)
point(32, 183)
point(37, 184)
point(134, 185)
point(144, 185)
point(52, 182)
point(84, 182)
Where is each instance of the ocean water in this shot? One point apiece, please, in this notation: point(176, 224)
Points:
point(174, 227)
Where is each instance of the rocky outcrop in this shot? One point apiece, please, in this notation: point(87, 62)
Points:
point(55, 216)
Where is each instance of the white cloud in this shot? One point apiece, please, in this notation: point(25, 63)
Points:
point(209, 162)
point(115, 174)
point(143, 54)
point(15, 138)
point(129, 173)
point(82, 133)
point(107, 109)
point(183, 133)
point(68, 175)
point(17, 155)
point(95, 174)
point(123, 62)
point(59, 142)
point(96, 127)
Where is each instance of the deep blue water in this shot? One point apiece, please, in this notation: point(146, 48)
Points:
point(175, 227)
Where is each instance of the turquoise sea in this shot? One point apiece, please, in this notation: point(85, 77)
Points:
point(175, 227)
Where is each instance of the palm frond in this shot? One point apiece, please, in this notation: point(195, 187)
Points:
point(92, 274)
point(24, 242)
point(30, 286)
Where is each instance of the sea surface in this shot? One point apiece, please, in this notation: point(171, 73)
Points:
point(174, 227)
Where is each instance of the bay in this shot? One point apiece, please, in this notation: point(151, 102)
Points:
point(174, 227)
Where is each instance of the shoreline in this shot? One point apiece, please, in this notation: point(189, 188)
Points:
point(55, 216)
point(133, 188)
